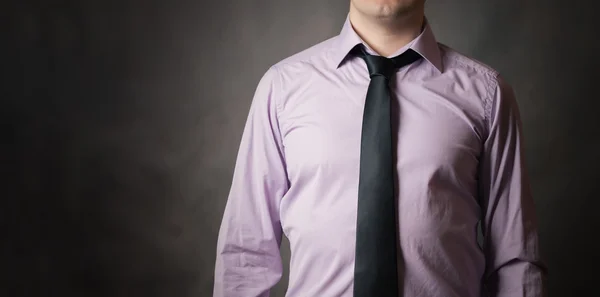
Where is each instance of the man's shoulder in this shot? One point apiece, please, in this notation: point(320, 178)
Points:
point(316, 55)
point(455, 60)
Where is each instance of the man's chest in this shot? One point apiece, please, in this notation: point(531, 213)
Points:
point(322, 126)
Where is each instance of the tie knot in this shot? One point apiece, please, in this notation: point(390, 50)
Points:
point(386, 67)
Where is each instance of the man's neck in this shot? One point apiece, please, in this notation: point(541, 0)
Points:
point(386, 36)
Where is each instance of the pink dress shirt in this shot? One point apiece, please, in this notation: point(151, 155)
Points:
point(459, 160)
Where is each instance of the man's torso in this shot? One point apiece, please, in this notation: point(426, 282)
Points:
point(438, 128)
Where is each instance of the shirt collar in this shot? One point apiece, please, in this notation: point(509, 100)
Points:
point(425, 44)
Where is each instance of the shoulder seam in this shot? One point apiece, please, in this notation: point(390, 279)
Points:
point(277, 86)
point(485, 70)
point(326, 51)
point(490, 99)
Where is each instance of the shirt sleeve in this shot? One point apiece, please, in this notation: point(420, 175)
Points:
point(248, 261)
point(513, 264)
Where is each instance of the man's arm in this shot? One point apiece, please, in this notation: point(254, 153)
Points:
point(513, 264)
point(248, 261)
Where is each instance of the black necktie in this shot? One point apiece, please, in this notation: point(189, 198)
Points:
point(375, 271)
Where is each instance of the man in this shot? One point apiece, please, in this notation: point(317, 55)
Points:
point(374, 138)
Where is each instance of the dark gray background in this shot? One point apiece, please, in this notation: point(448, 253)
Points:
point(121, 121)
